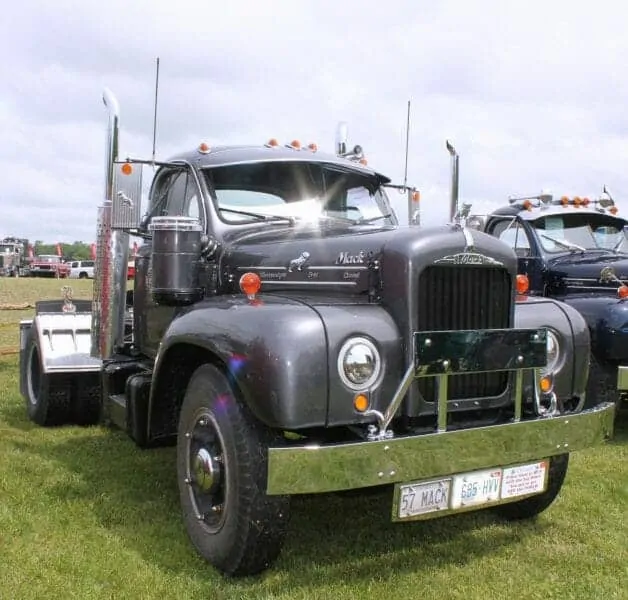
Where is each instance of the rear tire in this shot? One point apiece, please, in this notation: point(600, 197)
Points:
point(47, 404)
point(534, 505)
point(221, 472)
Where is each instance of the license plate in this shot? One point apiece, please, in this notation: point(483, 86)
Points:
point(468, 490)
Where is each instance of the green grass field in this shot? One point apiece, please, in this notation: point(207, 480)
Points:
point(85, 514)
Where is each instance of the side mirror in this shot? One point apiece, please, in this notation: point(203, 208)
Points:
point(127, 195)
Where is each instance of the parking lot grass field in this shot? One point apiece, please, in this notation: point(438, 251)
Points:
point(86, 514)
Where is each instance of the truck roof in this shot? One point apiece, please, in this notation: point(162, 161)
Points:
point(546, 210)
point(222, 156)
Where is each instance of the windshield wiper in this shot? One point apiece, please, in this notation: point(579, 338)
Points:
point(373, 219)
point(260, 216)
point(563, 243)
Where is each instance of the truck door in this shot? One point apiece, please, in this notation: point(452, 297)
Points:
point(513, 232)
point(174, 192)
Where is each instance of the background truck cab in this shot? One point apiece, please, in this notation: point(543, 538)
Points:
point(575, 250)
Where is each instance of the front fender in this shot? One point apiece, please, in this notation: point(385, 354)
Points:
point(570, 377)
point(607, 318)
point(274, 349)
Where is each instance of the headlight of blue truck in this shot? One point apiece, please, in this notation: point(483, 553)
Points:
point(553, 352)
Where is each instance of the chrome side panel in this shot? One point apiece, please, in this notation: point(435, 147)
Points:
point(326, 468)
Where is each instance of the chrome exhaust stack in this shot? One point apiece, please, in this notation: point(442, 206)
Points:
point(112, 254)
point(453, 206)
point(341, 138)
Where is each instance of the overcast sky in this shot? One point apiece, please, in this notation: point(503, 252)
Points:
point(533, 94)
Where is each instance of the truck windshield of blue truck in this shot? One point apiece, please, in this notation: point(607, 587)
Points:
point(573, 232)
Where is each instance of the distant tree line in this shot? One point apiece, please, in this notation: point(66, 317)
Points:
point(76, 250)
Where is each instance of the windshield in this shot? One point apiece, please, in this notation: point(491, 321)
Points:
point(299, 190)
point(51, 258)
point(581, 231)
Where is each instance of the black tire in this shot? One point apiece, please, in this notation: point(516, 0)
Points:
point(534, 505)
point(87, 403)
point(602, 384)
point(82, 275)
point(232, 523)
point(48, 401)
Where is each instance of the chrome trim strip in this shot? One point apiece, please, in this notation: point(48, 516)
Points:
point(316, 469)
point(622, 378)
point(307, 268)
point(306, 282)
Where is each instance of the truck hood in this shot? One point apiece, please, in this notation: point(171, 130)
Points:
point(348, 258)
point(581, 272)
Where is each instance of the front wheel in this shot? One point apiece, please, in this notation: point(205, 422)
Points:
point(534, 505)
point(221, 472)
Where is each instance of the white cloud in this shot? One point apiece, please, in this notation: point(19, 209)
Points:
point(532, 94)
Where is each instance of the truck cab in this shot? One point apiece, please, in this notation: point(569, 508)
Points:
point(575, 250)
point(290, 337)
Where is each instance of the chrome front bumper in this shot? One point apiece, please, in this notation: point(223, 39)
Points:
point(385, 459)
point(328, 468)
point(622, 378)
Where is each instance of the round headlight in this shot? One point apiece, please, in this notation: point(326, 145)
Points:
point(359, 363)
point(553, 352)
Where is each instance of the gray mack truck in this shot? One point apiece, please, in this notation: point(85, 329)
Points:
point(289, 336)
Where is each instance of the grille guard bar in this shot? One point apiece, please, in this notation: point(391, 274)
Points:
point(443, 353)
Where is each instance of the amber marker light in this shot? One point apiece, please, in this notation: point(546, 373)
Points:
point(545, 384)
point(527, 205)
point(296, 144)
point(564, 200)
point(250, 284)
point(622, 291)
point(272, 142)
point(204, 148)
point(313, 147)
point(613, 210)
point(585, 202)
point(577, 201)
point(126, 169)
point(523, 283)
point(416, 196)
point(361, 403)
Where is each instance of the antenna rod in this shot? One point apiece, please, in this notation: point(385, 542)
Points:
point(405, 174)
point(155, 114)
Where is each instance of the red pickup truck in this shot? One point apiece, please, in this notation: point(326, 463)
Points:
point(49, 265)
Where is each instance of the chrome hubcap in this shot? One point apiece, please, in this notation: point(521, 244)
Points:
point(205, 471)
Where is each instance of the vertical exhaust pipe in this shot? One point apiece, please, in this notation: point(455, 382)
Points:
point(341, 138)
point(453, 206)
point(112, 251)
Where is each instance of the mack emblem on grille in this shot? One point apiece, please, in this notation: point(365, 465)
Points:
point(468, 258)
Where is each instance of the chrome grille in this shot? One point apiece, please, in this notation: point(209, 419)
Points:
point(465, 297)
